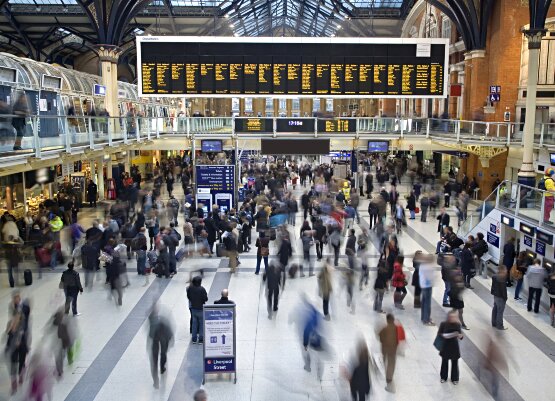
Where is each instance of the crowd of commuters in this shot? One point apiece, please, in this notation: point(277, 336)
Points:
point(156, 227)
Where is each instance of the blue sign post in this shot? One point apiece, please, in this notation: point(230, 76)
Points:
point(219, 350)
point(216, 185)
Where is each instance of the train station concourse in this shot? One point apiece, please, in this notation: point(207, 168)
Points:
point(263, 200)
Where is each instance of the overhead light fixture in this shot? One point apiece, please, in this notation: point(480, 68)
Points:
point(333, 35)
point(236, 34)
point(65, 9)
point(226, 16)
point(338, 26)
point(231, 25)
point(38, 9)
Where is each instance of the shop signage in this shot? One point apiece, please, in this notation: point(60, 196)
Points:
point(493, 240)
point(540, 248)
point(528, 241)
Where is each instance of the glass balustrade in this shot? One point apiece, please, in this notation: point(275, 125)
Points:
point(55, 133)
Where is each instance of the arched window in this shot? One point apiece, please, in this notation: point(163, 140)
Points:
point(445, 27)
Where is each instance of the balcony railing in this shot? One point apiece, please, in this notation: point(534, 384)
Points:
point(43, 134)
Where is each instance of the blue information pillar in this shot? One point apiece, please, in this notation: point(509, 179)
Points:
point(215, 186)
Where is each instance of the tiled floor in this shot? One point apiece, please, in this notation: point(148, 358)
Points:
point(113, 363)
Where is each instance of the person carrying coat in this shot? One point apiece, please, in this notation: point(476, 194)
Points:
point(71, 284)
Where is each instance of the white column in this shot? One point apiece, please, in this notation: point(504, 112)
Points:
point(93, 171)
point(527, 175)
point(100, 178)
point(109, 168)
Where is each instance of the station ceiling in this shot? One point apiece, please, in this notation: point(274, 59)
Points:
point(59, 30)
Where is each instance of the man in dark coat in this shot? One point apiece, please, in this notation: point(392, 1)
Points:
point(89, 261)
point(92, 191)
point(197, 296)
point(224, 300)
point(509, 254)
point(499, 292)
point(211, 230)
point(272, 276)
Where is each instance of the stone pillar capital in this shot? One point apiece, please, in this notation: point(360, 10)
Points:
point(475, 54)
point(534, 37)
point(108, 53)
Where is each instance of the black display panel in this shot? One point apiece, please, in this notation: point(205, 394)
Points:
point(254, 125)
point(295, 146)
point(337, 125)
point(370, 68)
point(295, 125)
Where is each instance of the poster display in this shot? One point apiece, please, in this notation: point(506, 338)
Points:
point(219, 350)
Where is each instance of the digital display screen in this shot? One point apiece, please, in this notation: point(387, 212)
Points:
point(338, 125)
point(295, 125)
point(374, 67)
point(378, 146)
point(552, 158)
point(211, 145)
point(295, 146)
point(254, 125)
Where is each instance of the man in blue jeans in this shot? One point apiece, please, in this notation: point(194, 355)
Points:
point(426, 273)
point(197, 296)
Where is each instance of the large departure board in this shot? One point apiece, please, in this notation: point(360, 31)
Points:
point(290, 67)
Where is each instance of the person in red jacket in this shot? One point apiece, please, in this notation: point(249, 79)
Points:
point(399, 281)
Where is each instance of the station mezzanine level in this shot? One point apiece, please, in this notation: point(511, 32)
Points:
point(112, 134)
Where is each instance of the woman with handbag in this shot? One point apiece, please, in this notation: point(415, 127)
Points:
point(447, 342)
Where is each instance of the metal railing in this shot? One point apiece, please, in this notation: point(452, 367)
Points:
point(43, 134)
point(517, 200)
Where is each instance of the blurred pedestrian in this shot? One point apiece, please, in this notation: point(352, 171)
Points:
point(426, 276)
point(499, 292)
point(161, 337)
point(71, 284)
point(272, 276)
point(18, 337)
point(389, 341)
point(359, 378)
point(399, 282)
point(200, 395)
point(325, 288)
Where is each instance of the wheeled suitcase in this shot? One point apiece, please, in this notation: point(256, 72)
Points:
point(28, 277)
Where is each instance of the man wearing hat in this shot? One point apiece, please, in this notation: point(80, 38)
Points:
point(549, 184)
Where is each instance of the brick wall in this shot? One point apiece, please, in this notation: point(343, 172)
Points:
point(485, 177)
